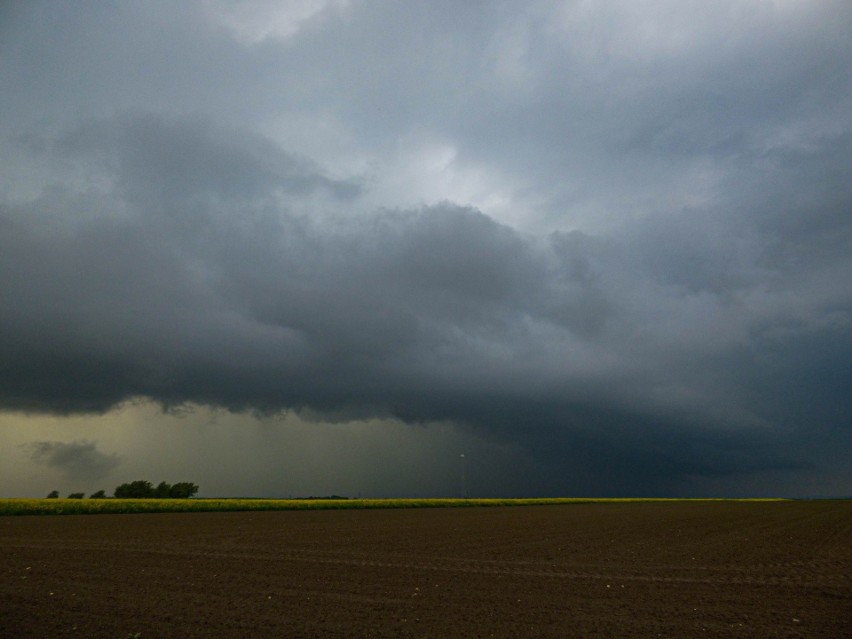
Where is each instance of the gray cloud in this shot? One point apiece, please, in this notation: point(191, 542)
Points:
point(77, 460)
point(637, 347)
point(652, 293)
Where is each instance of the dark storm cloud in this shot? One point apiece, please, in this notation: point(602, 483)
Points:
point(78, 460)
point(186, 160)
point(653, 353)
point(660, 295)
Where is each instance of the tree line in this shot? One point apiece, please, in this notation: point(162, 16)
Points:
point(141, 489)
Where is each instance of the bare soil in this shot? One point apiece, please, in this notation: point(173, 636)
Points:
point(681, 569)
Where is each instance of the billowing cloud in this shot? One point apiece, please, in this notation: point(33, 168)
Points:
point(616, 239)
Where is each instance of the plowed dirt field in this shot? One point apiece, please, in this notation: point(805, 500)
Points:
point(679, 569)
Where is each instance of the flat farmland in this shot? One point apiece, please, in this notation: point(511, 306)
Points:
point(657, 569)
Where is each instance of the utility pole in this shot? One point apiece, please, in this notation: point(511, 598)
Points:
point(463, 487)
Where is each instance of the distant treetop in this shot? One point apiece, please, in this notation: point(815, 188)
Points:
point(141, 489)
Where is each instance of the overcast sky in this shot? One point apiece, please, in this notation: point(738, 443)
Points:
point(329, 246)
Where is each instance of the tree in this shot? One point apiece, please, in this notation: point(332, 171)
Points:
point(101, 494)
point(138, 489)
point(76, 496)
point(141, 489)
point(53, 494)
point(163, 490)
point(183, 490)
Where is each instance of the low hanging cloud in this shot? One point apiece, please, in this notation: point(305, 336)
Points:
point(78, 460)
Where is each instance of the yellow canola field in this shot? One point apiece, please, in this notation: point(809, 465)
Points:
point(111, 505)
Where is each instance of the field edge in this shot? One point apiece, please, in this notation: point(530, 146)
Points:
point(45, 506)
